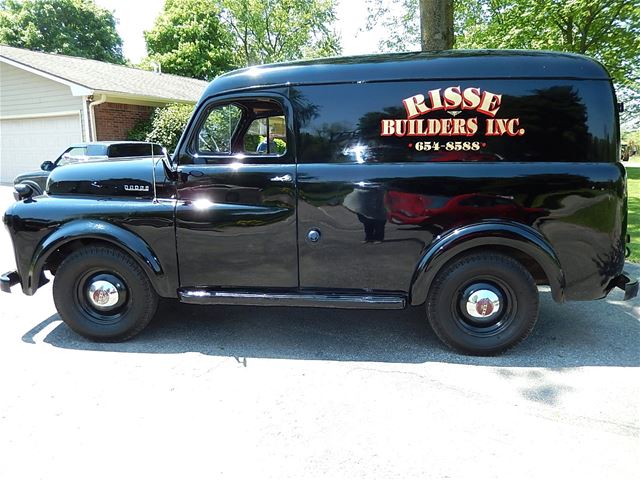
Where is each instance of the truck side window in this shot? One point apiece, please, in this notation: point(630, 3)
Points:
point(217, 131)
point(377, 127)
point(266, 136)
point(246, 129)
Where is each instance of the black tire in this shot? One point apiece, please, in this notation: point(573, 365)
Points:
point(136, 304)
point(456, 315)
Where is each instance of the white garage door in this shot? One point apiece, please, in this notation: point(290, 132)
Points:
point(27, 142)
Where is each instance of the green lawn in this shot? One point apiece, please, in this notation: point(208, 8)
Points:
point(633, 227)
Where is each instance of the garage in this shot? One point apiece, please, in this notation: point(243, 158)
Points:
point(49, 101)
point(27, 142)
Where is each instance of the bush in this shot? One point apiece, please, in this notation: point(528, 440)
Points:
point(281, 145)
point(251, 142)
point(165, 126)
point(141, 130)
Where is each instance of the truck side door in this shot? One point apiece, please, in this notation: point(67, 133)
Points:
point(236, 213)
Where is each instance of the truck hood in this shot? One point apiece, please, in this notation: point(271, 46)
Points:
point(30, 175)
point(125, 178)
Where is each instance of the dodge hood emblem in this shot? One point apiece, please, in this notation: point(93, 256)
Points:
point(136, 188)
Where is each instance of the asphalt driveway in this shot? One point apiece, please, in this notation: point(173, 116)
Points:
point(244, 392)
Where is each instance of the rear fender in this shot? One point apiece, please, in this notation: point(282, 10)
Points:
point(486, 234)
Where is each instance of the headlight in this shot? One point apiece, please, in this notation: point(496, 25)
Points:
point(22, 191)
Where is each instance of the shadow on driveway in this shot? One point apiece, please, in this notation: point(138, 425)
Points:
point(602, 333)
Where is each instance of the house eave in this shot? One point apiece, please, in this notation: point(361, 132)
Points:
point(145, 98)
point(77, 90)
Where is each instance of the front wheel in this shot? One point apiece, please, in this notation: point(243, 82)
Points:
point(103, 294)
point(483, 303)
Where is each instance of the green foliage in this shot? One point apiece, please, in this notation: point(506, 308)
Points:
point(215, 134)
point(608, 30)
point(269, 31)
point(165, 126)
point(281, 145)
point(141, 130)
point(631, 138)
point(249, 146)
point(204, 38)
point(189, 38)
point(633, 222)
point(401, 22)
point(71, 27)
point(630, 118)
point(631, 146)
point(251, 141)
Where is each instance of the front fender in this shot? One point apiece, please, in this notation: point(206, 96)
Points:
point(94, 230)
point(35, 186)
point(486, 234)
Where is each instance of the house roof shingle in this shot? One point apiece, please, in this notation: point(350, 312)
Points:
point(107, 77)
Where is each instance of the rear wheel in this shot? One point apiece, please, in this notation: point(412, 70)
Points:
point(103, 294)
point(483, 303)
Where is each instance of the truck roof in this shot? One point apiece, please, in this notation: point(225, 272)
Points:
point(442, 65)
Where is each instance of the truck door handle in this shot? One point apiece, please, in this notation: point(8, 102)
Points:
point(282, 178)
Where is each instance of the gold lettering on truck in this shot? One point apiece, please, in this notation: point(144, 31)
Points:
point(454, 100)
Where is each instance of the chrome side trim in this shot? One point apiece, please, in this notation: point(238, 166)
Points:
point(293, 299)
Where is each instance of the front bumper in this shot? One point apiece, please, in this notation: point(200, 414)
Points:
point(627, 284)
point(9, 279)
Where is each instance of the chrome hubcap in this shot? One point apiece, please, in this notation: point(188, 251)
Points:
point(484, 308)
point(482, 304)
point(103, 294)
point(103, 297)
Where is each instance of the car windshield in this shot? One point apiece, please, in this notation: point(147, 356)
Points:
point(73, 155)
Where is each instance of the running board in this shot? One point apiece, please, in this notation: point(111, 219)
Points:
point(293, 299)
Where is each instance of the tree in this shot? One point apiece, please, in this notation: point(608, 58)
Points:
point(165, 126)
point(190, 39)
point(278, 30)
point(436, 24)
point(71, 27)
point(203, 38)
point(401, 22)
point(608, 30)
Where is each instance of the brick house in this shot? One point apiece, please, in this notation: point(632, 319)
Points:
point(48, 101)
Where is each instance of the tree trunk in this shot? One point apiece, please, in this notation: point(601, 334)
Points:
point(436, 24)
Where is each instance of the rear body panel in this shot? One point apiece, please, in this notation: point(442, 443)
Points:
point(577, 208)
point(382, 185)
